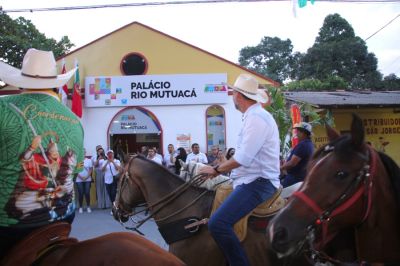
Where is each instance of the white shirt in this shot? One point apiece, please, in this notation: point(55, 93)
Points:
point(257, 149)
point(167, 159)
point(159, 156)
point(156, 159)
point(87, 164)
point(198, 158)
point(110, 170)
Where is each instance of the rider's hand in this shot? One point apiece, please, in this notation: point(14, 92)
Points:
point(208, 172)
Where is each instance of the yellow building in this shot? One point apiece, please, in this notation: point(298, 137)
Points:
point(380, 112)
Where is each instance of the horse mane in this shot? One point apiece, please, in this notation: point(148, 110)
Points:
point(393, 171)
point(173, 175)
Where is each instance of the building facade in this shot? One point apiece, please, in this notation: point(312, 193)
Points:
point(146, 88)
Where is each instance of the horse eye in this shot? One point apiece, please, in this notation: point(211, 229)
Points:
point(341, 175)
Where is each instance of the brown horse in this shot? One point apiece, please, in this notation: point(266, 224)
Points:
point(349, 186)
point(51, 246)
point(146, 180)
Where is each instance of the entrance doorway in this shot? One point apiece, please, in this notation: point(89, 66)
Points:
point(132, 143)
point(132, 128)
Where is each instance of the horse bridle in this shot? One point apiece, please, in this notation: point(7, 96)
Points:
point(196, 181)
point(344, 201)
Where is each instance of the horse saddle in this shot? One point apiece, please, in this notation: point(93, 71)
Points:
point(38, 243)
point(265, 209)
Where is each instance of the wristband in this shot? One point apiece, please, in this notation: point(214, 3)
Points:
point(216, 169)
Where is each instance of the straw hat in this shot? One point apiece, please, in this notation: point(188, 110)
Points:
point(248, 86)
point(39, 71)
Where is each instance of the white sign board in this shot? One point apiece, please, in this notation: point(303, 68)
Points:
point(144, 90)
point(133, 121)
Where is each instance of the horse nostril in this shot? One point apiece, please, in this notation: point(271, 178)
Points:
point(280, 241)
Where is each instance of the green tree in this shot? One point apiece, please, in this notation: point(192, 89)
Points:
point(272, 57)
point(17, 36)
point(338, 52)
point(391, 82)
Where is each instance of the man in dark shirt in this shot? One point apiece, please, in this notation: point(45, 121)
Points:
point(296, 163)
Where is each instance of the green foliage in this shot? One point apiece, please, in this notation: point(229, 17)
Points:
point(338, 52)
point(331, 83)
point(338, 60)
point(280, 110)
point(17, 36)
point(391, 82)
point(281, 115)
point(272, 57)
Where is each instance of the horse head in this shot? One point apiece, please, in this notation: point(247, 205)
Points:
point(128, 196)
point(331, 197)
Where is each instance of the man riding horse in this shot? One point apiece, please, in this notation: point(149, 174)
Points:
point(31, 177)
point(254, 168)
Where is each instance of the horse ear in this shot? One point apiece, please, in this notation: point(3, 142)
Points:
point(357, 131)
point(331, 133)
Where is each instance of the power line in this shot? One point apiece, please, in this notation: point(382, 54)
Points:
point(67, 8)
point(387, 24)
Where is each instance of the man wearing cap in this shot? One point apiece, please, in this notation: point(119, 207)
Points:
point(42, 149)
point(254, 167)
point(296, 163)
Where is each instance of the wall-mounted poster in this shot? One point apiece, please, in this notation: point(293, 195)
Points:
point(215, 117)
point(183, 141)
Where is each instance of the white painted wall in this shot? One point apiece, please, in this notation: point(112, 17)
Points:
point(180, 119)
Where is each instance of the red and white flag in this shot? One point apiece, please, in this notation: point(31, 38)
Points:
point(63, 91)
point(76, 95)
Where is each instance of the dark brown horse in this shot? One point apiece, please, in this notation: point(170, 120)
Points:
point(349, 186)
point(146, 180)
point(52, 246)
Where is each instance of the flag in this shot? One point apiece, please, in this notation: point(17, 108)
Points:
point(296, 118)
point(76, 95)
point(63, 91)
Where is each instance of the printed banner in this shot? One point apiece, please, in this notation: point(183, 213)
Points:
point(142, 90)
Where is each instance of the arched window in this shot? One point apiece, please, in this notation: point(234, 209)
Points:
point(216, 127)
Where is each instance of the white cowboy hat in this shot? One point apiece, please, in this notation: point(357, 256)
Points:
point(248, 86)
point(39, 71)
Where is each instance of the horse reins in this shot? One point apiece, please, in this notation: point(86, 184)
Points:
point(343, 202)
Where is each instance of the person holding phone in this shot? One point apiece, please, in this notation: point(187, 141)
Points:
point(111, 168)
point(103, 201)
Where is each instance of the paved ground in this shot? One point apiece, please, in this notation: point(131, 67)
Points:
point(100, 222)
